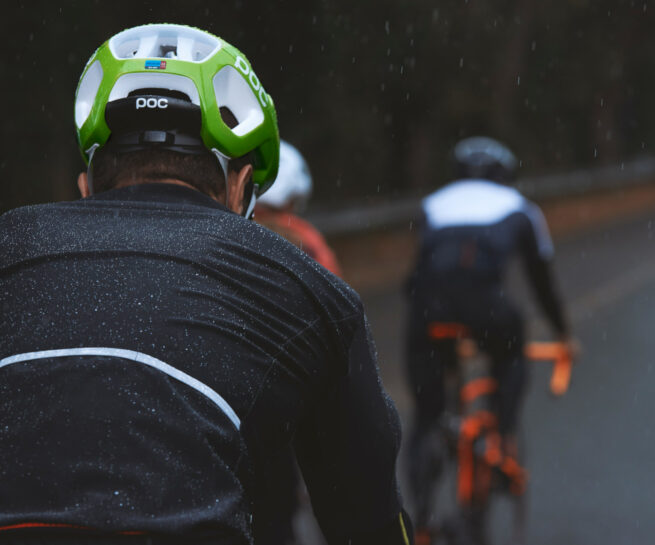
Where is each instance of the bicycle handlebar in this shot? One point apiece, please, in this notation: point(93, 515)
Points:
point(556, 352)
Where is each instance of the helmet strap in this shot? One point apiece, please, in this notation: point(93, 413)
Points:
point(89, 170)
point(223, 160)
point(251, 205)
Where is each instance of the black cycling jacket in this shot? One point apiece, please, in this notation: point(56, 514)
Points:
point(471, 230)
point(158, 352)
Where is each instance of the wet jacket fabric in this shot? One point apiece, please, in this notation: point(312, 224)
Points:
point(299, 232)
point(157, 352)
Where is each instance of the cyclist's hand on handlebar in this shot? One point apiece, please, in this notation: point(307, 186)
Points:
point(572, 346)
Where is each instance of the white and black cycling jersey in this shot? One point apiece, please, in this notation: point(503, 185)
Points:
point(471, 229)
point(159, 354)
point(485, 204)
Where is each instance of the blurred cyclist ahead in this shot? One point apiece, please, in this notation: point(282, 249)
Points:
point(472, 227)
point(160, 351)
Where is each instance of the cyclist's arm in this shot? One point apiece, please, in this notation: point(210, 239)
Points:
point(347, 451)
point(538, 260)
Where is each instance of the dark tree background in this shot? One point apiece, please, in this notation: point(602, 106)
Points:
point(374, 92)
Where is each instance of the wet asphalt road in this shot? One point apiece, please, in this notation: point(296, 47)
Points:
point(591, 454)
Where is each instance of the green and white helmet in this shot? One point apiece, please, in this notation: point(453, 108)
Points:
point(169, 85)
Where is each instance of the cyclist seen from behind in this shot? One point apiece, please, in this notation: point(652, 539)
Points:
point(160, 352)
point(472, 228)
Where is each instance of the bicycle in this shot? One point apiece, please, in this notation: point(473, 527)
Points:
point(486, 463)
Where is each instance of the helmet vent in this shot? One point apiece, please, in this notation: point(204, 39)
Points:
point(233, 92)
point(86, 92)
point(165, 42)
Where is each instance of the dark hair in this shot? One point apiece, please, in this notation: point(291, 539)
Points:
point(202, 170)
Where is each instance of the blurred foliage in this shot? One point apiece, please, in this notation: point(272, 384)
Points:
point(374, 92)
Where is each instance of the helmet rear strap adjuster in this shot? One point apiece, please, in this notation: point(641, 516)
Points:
point(157, 137)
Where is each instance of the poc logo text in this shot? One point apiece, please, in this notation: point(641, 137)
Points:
point(151, 102)
point(243, 67)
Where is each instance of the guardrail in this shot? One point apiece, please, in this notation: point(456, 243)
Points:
point(395, 213)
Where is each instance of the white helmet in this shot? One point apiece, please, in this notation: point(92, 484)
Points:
point(293, 182)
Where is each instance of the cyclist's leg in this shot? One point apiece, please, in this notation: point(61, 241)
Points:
point(427, 362)
point(497, 328)
point(504, 343)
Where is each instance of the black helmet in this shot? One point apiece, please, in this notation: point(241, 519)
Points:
point(482, 157)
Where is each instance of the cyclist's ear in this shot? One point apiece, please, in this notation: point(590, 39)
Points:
point(237, 182)
point(83, 184)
